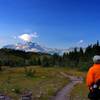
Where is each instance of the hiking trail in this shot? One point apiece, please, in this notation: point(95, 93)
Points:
point(64, 94)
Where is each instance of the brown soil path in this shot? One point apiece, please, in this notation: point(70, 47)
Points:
point(64, 94)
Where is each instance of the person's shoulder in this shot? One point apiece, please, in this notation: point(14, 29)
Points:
point(91, 68)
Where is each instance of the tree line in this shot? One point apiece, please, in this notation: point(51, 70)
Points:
point(80, 59)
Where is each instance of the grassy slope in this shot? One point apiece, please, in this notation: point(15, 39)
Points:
point(45, 83)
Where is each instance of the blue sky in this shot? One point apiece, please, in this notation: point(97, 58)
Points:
point(58, 23)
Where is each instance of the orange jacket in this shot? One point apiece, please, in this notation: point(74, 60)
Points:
point(93, 74)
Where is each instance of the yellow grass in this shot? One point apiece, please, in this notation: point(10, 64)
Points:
point(45, 83)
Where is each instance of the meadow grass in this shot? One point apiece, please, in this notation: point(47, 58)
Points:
point(44, 84)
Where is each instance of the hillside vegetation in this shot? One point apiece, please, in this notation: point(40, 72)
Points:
point(81, 60)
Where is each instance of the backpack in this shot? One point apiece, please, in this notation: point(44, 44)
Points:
point(95, 93)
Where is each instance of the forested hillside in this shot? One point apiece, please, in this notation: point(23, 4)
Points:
point(77, 59)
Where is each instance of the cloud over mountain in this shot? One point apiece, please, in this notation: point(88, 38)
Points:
point(28, 37)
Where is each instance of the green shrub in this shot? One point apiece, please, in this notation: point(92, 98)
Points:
point(16, 90)
point(30, 72)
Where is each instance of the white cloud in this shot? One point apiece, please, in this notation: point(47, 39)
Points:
point(28, 37)
point(81, 41)
point(34, 35)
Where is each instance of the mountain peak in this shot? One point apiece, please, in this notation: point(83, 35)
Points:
point(28, 46)
point(35, 47)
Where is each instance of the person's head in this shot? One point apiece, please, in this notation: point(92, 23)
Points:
point(96, 59)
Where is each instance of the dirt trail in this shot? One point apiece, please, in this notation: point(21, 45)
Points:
point(64, 94)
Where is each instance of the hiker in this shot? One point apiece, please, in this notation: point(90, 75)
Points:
point(93, 79)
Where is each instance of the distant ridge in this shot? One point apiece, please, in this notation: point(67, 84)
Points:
point(35, 47)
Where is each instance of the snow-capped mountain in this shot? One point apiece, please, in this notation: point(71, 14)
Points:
point(35, 47)
point(29, 46)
